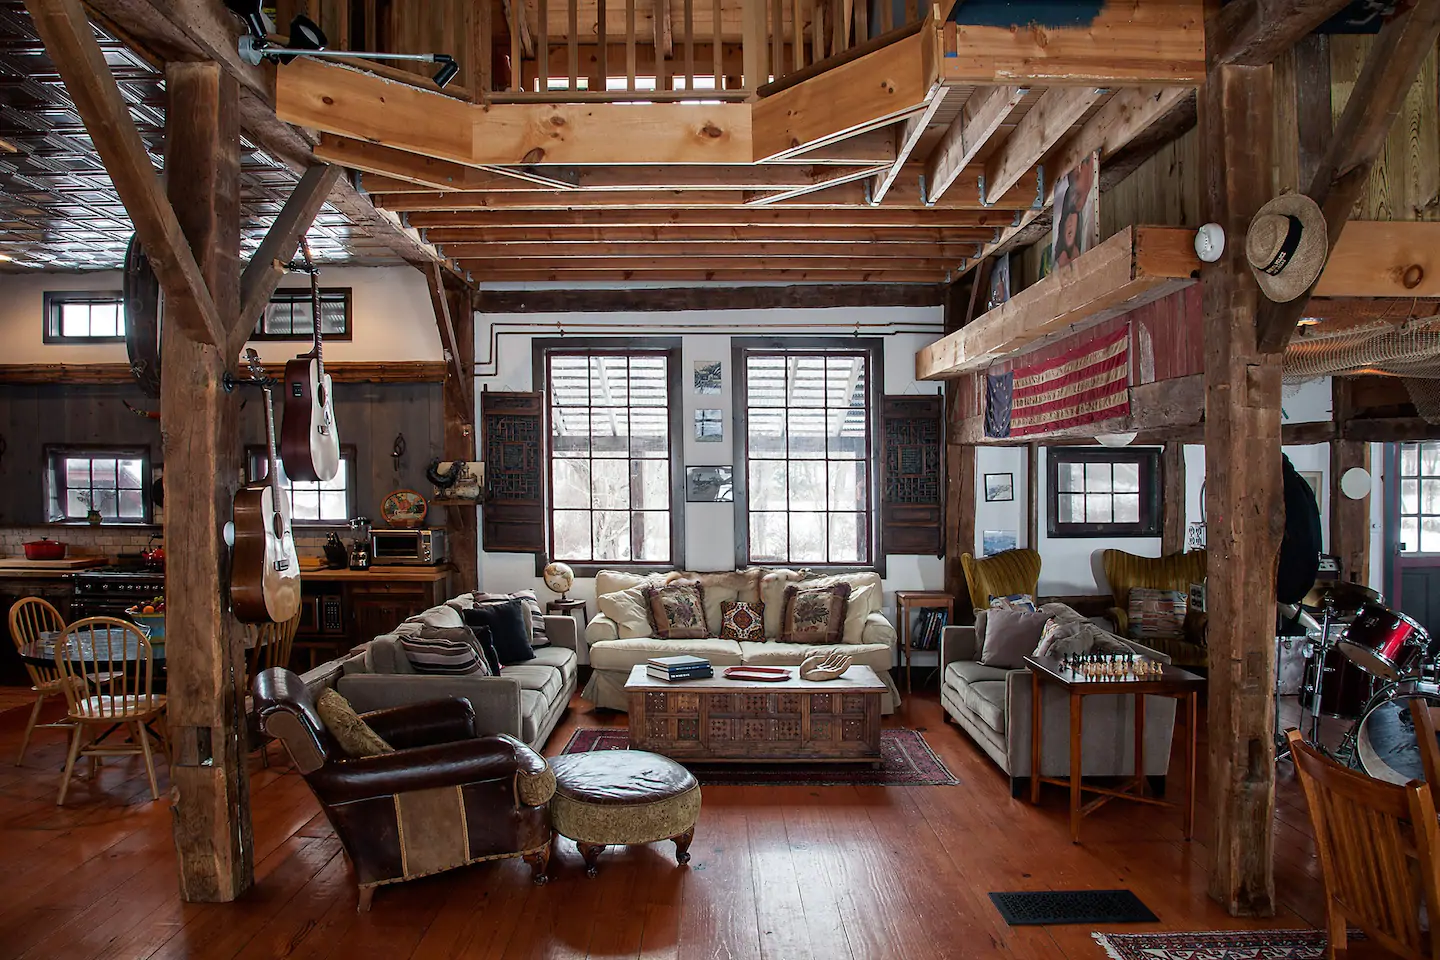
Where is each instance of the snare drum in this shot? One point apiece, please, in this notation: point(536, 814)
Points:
point(1384, 643)
point(1385, 744)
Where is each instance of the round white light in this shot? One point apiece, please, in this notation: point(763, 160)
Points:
point(1115, 439)
point(1210, 242)
point(1355, 483)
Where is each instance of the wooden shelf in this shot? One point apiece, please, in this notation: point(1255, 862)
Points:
point(382, 572)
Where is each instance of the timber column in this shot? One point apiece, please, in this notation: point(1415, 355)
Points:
point(202, 472)
point(1244, 512)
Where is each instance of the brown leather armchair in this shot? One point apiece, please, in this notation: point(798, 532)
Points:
point(445, 798)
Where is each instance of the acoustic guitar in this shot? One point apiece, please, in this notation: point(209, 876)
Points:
point(264, 571)
point(309, 441)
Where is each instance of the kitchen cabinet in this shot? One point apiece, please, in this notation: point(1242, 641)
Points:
point(341, 609)
point(58, 588)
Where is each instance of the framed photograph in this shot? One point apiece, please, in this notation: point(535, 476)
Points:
point(999, 486)
point(709, 426)
point(999, 282)
point(707, 377)
point(996, 541)
point(709, 485)
point(1077, 212)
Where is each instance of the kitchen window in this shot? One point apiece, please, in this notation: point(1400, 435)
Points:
point(321, 502)
point(113, 481)
point(804, 443)
point(614, 459)
point(288, 315)
point(1103, 493)
point(84, 316)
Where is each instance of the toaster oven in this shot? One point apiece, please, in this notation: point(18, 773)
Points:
point(420, 547)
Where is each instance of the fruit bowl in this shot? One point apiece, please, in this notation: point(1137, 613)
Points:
point(151, 622)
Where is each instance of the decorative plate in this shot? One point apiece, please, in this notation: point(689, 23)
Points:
point(403, 508)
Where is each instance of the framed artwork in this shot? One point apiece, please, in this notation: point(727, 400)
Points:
point(999, 282)
point(1077, 212)
point(709, 485)
point(997, 541)
point(707, 377)
point(999, 487)
point(709, 426)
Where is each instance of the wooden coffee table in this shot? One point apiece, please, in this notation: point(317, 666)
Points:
point(729, 720)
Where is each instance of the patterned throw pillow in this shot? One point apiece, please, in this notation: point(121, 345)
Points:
point(354, 735)
point(449, 651)
point(1155, 614)
point(678, 610)
point(535, 614)
point(1016, 601)
point(814, 614)
point(742, 620)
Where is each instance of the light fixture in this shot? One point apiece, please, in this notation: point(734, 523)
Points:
point(254, 50)
point(1115, 439)
point(1355, 483)
point(1210, 242)
point(256, 20)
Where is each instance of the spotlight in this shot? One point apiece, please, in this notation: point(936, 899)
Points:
point(447, 71)
point(305, 34)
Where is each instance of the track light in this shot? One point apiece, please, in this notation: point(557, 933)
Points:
point(305, 34)
point(447, 71)
point(255, 51)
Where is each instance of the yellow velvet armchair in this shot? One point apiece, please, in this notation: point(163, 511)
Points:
point(1008, 572)
point(1175, 571)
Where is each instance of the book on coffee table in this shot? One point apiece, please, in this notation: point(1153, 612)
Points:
point(683, 667)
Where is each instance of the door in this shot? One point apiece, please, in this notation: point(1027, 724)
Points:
point(1412, 531)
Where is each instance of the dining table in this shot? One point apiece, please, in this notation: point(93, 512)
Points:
point(41, 650)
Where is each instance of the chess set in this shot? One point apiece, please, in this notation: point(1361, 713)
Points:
point(1119, 666)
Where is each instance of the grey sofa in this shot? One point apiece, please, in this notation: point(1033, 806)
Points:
point(992, 705)
point(526, 701)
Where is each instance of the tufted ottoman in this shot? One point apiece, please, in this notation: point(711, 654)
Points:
point(622, 797)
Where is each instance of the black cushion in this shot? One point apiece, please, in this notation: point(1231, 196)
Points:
point(486, 645)
point(506, 621)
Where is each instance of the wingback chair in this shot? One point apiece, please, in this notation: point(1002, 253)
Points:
point(1176, 571)
point(445, 798)
point(1006, 573)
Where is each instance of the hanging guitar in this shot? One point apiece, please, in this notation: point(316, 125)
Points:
point(309, 441)
point(264, 571)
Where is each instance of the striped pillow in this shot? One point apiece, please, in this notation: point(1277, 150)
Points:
point(448, 651)
point(534, 614)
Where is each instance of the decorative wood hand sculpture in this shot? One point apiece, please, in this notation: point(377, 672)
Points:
point(825, 668)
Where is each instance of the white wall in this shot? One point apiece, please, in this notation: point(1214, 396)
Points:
point(392, 317)
point(709, 528)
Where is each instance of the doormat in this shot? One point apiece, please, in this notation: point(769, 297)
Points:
point(906, 760)
point(1218, 945)
point(1047, 907)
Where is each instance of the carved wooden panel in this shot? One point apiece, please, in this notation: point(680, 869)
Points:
point(912, 486)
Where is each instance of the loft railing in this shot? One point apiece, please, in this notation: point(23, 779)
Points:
point(606, 50)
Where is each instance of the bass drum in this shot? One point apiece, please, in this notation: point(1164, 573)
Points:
point(1385, 744)
point(1344, 689)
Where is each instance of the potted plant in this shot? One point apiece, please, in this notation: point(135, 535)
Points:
point(93, 517)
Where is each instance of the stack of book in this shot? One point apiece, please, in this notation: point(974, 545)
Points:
point(679, 668)
point(928, 628)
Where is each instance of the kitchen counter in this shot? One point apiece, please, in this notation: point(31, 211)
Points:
point(381, 574)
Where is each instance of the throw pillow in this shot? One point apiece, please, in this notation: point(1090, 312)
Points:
point(485, 643)
point(629, 609)
point(814, 614)
point(1011, 636)
point(534, 614)
point(678, 610)
point(742, 620)
point(1155, 614)
point(506, 622)
point(354, 735)
point(1015, 601)
point(451, 651)
point(1060, 638)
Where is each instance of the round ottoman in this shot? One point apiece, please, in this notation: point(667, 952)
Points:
point(622, 797)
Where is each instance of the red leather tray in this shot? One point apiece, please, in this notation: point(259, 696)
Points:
point(765, 674)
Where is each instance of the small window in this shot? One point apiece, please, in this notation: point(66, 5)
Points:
point(84, 316)
point(1103, 493)
point(287, 316)
point(114, 481)
point(312, 501)
point(1420, 497)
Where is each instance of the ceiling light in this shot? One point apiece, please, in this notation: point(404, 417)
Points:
point(1115, 439)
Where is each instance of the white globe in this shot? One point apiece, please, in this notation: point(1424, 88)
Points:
point(559, 577)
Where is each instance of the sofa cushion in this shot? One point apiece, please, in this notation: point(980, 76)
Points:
point(814, 614)
point(452, 651)
point(629, 610)
point(742, 620)
point(772, 594)
point(1156, 614)
point(534, 705)
point(678, 610)
point(866, 597)
point(986, 699)
point(441, 616)
point(534, 615)
point(506, 620)
point(625, 653)
point(772, 653)
point(1011, 636)
point(384, 655)
point(719, 588)
point(560, 659)
point(962, 673)
point(546, 680)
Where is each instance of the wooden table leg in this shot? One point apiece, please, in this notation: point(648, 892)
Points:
point(1076, 720)
point(1140, 743)
point(905, 633)
point(1035, 713)
point(1192, 720)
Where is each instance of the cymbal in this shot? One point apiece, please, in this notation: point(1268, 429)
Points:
point(1346, 597)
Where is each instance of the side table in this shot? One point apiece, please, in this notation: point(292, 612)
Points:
point(1173, 682)
point(905, 600)
point(567, 606)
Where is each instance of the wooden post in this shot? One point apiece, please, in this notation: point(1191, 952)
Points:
point(1172, 501)
point(959, 509)
point(462, 522)
point(1244, 511)
point(1349, 519)
point(199, 421)
point(1032, 496)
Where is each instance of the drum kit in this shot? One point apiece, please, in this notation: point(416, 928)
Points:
point(1364, 664)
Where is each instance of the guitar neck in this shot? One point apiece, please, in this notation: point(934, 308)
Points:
point(315, 314)
point(270, 446)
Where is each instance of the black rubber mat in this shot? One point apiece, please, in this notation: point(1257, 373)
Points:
point(1037, 907)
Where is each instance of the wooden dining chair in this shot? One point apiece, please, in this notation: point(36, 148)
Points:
point(271, 648)
point(28, 619)
point(1377, 843)
point(108, 673)
point(1429, 746)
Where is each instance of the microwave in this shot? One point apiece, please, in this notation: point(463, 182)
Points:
point(420, 546)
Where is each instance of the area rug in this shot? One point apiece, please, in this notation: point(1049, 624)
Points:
point(1055, 907)
point(906, 761)
point(1218, 945)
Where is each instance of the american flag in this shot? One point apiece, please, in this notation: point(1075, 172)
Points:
point(1086, 384)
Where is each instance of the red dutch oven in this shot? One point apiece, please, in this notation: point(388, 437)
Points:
point(45, 549)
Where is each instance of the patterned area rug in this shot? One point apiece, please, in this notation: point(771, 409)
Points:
point(1218, 945)
point(906, 761)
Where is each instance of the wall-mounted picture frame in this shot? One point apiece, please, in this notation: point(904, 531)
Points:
point(1077, 212)
point(999, 487)
point(997, 541)
point(707, 377)
point(709, 485)
point(709, 426)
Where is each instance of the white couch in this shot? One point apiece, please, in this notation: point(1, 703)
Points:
point(618, 637)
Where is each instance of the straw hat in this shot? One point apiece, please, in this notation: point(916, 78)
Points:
point(1286, 245)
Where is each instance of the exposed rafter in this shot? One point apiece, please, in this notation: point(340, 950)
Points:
point(981, 116)
point(1048, 121)
point(907, 137)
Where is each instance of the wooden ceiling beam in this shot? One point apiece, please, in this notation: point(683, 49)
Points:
point(981, 116)
point(1046, 123)
point(1252, 33)
point(737, 217)
point(907, 137)
point(1390, 68)
point(677, 299)
point(836, 180)
point(456, 376)
point(804, 235)
point(750, 274)
point(671, 249)
point(558, 262)
point(64, 29)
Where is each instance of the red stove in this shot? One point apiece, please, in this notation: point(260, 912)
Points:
point(109, 591)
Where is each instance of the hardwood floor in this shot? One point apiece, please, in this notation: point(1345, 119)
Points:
point(779, 873)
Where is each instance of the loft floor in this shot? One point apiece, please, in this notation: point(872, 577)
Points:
point(781, 873)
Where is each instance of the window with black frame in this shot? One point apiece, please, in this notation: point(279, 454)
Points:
point(1099, 492)
point(311, 501)
point(289, 315)
point(111, 481)
point(84, 316)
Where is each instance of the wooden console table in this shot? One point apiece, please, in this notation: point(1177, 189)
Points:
point(905, 600)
